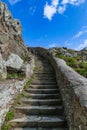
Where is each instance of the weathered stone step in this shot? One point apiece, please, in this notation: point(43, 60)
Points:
point(47, 83)
point(46, 76)
point(41, 74)
point(44, 80)
point(43, 91)
point(39, 102)
point(43, 69)
point(40, 110)
point(44, 73)
point(42, 96)
point(44, 86)
point(36, 121)
point(40, 128)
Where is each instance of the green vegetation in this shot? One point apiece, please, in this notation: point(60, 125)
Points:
point(19, 99)
point(29, 82)
point(75, 62)
point(9, 116)
point(6, 126)
point(1, 78)
point(15, 76)
point(25, 87)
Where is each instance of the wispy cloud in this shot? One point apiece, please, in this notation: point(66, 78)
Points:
point(32, 10)
point(12, 2)
point(80, 33)
point(59, 7)
point(53, 45)
point(83, 45)
point(68, 43)
point(73, 2)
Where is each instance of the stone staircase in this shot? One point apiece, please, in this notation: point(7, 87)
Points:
point(42, 108)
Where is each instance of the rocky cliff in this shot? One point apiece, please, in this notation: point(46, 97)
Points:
point(10, 34)
point(12, 49)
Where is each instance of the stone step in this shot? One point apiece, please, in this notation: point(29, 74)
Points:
point(45, 72)
point(42, 83)
point(43, 91)
point(45, 76)
point(42, 96)
point(43, 69)
point(44, 86)
point(40, 110)
point(43, 80)
point(38, 121)
point(41, 74)
point(40, 128)
point(41, 102)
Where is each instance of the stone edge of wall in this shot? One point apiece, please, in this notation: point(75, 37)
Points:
point(9, 90)
point(73, 88)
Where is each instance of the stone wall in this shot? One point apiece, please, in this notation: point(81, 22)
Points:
point(11, 88)
point(73, 88)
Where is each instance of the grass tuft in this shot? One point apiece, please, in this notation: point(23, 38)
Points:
point(15, 76)
point(5, 126)
point(9, 116)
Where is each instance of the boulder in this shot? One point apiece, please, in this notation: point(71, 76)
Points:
point(14, 61)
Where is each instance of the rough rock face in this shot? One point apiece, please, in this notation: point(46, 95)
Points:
point(3, 72)
point(10, 34)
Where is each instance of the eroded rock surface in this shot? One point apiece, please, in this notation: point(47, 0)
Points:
point(10, 34)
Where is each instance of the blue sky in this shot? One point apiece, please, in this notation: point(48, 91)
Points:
point(50, 23)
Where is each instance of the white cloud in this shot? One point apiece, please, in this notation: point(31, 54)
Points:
point(61, 9)
point(65, 2)
point(50, 10)
point(83, 45)
point(55, 3)
point(53, 45)
point(12, 2)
